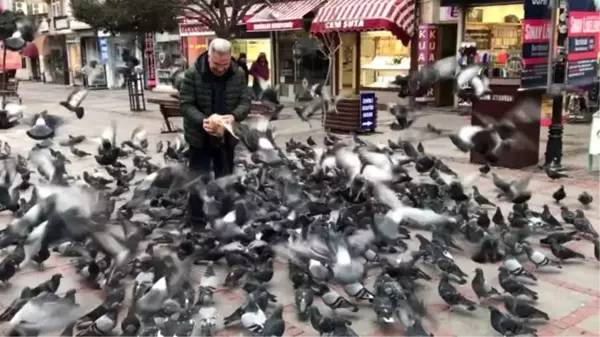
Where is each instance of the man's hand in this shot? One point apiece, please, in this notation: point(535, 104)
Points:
point(228, 119)
point(212, 125)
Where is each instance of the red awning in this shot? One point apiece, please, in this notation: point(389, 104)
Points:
point(31, 50)
point(282, 16)
point(396, 16)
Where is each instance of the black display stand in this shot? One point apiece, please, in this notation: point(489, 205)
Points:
point(135, 87)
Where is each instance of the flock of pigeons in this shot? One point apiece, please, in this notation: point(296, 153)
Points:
point(332, 213)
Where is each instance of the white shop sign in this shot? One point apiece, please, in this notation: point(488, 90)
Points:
point(345, 24)
point(594, 148)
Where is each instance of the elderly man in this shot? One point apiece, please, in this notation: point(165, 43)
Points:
point(214, 89)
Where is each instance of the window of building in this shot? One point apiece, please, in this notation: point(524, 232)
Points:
point(382, 58)
point(496, 33)
point(57, 8)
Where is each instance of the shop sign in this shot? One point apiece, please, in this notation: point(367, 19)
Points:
point(270, 26)
point(368, 111)
point(583, 37)
point(449, 13)
point(103, 49)
point(427, 49)
point(346, 24)
point(535, 37)
point(150, 60)
point(497, 98)
point(194, 30)
point(61, 23)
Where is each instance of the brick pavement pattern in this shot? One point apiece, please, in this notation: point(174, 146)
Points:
point(571, 297)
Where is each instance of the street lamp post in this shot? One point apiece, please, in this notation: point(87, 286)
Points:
point(559, 63)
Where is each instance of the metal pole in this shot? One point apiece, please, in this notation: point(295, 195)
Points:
point(555, 131)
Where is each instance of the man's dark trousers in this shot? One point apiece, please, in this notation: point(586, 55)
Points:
point(220, 159)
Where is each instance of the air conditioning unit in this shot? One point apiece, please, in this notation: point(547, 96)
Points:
point(21, 6)
point(39, 8)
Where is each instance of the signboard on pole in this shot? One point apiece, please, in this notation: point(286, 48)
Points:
point(584, 36)
point(368, 111)
point(536, 32)
point(427, 49)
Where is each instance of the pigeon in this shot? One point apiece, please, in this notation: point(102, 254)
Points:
point(480, 286)
point(585, 199)
point(304, 297)
point(451, 296)
point(564, 253)
point(480, 199)
point(516, 269)
point(16, 305)
point(274, 325)
point(583, 225)
point(72, 141)
point(554, 174)
point(507, 326)
point(79, 153)
point(485, 169)
point(513, 286)
point(41, 129)
point(559, 194)
point(74, 100)
point(538, 258)
point(523, 310)
point(336, 301)
point(45, 313)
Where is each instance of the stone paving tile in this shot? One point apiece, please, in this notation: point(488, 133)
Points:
point(576, 313)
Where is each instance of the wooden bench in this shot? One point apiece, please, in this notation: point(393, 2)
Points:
point(169, 108)
point(10, 89)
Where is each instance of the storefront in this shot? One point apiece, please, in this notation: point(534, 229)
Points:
point(374, 37)
point(494, 28)
point(167, 59)
point(195, 38)
point(252, 44)
point(288, 21)
point(56, 62)
point(75, 49)
point(113, 49)
point(94, 59)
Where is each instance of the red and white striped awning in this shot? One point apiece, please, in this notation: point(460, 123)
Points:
point(189, 26)
point(396, 16)
point(282, 16)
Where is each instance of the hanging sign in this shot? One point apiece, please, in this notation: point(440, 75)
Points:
point(536, 31)
point(427, 49)
point(583, 33)
point(368, 111)
point(150, 60)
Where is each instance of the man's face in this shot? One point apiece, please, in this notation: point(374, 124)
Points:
point(219, 63)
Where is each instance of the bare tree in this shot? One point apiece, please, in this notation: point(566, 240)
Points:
point(221, 16)
point(329, 43)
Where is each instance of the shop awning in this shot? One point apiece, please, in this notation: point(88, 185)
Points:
point(282, 16)
point(30, 51)
point(396, 16)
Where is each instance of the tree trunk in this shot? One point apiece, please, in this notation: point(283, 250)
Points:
point(4, 77)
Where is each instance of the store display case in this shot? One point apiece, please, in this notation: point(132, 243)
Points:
point(383, 70)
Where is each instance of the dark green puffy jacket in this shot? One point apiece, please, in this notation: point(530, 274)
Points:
point(195, 99)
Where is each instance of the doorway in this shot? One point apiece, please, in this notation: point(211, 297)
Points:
point(448, 36)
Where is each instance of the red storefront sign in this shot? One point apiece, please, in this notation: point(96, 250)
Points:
point(150, 60)
point(427, 48)
point(274, 26)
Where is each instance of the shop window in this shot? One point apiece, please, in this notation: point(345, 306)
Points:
point(168, 60)
point(496, 33)
point(382, 58)
point(252, 48)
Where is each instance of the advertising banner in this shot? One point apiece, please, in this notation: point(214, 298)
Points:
point(368, 111)
point(535, 35)
point(583, 38)
point(150, 60)
point(427, 49)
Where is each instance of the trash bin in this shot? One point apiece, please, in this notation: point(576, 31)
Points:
point(506, 96)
